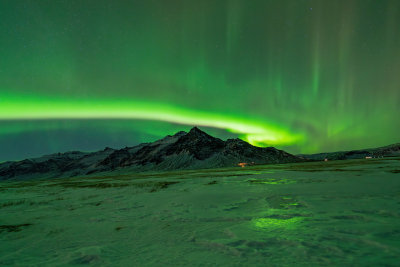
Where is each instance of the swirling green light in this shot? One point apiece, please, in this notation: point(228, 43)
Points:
point(256, 132)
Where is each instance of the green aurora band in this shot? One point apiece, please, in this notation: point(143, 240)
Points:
point(33, 108)
point(302, 75)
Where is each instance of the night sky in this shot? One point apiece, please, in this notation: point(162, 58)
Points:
point(304, 76)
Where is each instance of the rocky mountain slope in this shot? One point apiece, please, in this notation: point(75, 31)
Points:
point(193, 150)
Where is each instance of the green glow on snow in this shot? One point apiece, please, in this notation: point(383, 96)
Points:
point(275, 223)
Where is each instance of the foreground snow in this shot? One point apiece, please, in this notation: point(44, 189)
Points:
point(313, 214)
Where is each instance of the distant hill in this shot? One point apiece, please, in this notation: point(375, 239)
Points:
point(193, 150)
point(386, 151)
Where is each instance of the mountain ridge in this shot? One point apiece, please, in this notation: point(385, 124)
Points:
point(392, 150)
point(184, 150)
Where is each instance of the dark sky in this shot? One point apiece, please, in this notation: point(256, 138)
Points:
point(304, 76)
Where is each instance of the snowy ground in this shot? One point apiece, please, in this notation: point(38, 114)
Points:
point(342, 213)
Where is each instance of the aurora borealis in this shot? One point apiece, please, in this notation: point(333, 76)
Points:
point(304, 76)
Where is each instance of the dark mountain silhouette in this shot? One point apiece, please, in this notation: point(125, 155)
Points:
point(193, 150)
point(385, 151)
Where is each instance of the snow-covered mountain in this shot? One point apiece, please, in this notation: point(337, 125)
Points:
point(193, 150)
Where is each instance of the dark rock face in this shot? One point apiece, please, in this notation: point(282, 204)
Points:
point(197, 143)
point(193, 150)
point(115, 159)
point(248, 153)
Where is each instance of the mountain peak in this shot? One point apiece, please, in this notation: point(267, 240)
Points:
point(199, 134)
point(196, 130)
